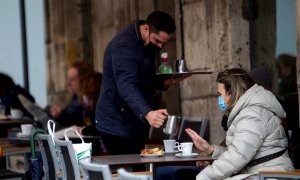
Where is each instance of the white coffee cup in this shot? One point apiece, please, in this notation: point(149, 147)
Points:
point(16, 113)
point(186, 148)
point(26, 129)
point(170, 144)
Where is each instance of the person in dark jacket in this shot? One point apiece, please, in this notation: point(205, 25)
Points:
point(72, 114)
point(127, 103)
point(9, 95)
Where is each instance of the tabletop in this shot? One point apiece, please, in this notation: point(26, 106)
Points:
point(10, 123)
point(15, 121)
point(130, 159)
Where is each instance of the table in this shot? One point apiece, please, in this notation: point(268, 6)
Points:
point(9, 123)
point(131, 159)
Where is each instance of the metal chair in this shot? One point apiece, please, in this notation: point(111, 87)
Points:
point(198, 125)
point(125, 175)
point(279, 174)
point(69, 165)
point(50, 158)
point(40, 116)
point(156, 135)
point(93, 171)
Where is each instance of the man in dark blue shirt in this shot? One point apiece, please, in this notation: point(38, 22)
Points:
point(127, 103)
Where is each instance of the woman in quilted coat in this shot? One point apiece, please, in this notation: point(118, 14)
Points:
point(255, 140)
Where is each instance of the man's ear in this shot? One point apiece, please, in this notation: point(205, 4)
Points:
point(145, 27)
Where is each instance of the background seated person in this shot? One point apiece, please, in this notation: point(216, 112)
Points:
point(72, 114)
point(254, 131)
point(89, 90)
point(8, 95)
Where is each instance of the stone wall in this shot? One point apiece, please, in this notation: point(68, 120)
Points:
point(215, 36)
point(68, 39)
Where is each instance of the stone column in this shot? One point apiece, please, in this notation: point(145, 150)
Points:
point(297, 6)
point(215, 37)
point(67, 40)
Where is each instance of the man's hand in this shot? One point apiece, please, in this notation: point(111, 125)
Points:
point(157, 118)
point(199, 142)
point(175, 79)
point(55, 111)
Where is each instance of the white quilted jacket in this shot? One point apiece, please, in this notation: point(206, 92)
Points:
point(255, 130)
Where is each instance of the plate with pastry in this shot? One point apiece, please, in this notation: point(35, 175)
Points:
point(154, 152)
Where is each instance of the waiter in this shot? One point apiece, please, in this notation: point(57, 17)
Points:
point(127, 103)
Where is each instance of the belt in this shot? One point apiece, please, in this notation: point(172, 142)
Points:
point(265, 158)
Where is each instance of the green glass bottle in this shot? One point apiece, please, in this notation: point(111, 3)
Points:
point(164, 67)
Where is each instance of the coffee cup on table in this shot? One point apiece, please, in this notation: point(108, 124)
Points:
point(26, 129)
point(170, 144)
point(185, 148)
point(16, 113)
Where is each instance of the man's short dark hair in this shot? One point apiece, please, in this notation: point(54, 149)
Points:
point(161, 21)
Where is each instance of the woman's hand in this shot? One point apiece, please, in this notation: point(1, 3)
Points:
point(79, 129)
point(55, 111)
point(199, 142)
point(202, 164)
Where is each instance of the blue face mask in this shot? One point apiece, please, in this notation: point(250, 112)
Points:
point(222, 104)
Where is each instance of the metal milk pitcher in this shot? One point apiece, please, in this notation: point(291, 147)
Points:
point(172, 125)
point(180, 66)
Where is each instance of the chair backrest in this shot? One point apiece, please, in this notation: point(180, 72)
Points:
point(197, 124)
point(69, 165)
point(124, 175)
point(50, 160)
point(279, 174)
point(39, 114)
point(156, 135)
point(93, 171)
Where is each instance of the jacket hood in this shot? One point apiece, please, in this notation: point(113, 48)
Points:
point(257, 96)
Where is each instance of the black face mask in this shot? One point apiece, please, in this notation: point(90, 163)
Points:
point(151, 48)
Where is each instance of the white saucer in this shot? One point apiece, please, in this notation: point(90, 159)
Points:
point(186, 156)
point(20, 135)
point(151, 155)
point(172, 152)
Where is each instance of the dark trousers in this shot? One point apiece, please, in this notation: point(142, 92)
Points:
point(177, 172)
point(118, 145)
point(122, 145)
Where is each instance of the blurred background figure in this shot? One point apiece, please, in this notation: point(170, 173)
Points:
point(286, 65)
point(72, 114)
point(89, 89)
point(9, 95)
point(88, 92)
point(288, 92)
